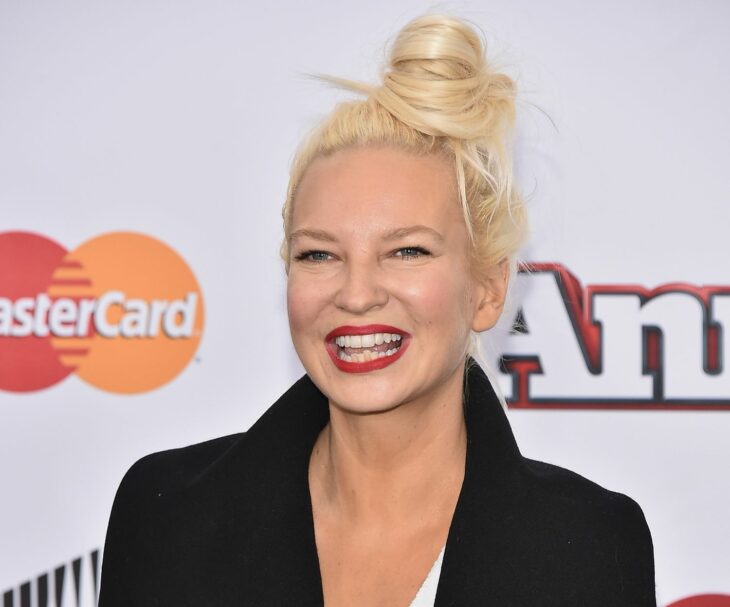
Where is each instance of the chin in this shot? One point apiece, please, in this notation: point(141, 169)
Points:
point(362, 395)
point(370, 406)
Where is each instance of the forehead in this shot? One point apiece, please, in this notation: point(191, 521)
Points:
point(367, 188)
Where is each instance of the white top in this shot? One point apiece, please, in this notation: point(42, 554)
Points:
point(427, 592)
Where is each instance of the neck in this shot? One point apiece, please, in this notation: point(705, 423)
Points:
point(403, 462)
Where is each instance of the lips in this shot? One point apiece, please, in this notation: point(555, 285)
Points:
point(359, 349)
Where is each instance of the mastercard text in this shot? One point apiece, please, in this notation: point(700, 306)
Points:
point(110, 315)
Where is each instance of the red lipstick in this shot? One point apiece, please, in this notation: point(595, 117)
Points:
point(371, 365)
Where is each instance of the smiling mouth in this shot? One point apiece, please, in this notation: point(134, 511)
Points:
point(364, 348)
point(360, 349)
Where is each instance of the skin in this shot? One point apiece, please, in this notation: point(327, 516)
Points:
point(386, 472)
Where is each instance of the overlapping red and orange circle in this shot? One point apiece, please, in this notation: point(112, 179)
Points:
point(123, 311)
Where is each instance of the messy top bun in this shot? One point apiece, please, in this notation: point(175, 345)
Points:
point(438, 95)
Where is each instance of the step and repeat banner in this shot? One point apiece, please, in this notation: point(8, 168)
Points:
point(144, 153)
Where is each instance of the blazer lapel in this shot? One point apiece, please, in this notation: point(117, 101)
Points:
point(477, 557)
point(278, 446)
point(282, 441)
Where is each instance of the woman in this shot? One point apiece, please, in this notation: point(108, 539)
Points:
point(391, 461)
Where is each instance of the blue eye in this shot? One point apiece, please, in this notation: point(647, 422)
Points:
point(313, 256)
point(411, 252)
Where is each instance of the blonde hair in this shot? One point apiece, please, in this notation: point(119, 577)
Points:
point(438, 95)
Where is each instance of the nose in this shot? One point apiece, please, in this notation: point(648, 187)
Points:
point(361, 289)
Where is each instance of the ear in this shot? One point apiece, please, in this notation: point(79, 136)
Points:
point(490, 293)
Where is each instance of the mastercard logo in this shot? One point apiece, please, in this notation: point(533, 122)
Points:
point(123, 311)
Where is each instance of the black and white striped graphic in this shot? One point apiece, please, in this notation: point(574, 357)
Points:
point(73, 584)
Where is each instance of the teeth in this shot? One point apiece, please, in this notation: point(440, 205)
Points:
point(365, 355)
point(366, 341)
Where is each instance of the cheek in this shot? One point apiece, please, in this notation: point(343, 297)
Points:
point(304, 301)
point(438, 300)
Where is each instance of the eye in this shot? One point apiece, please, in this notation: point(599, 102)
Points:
point(411, 252)
point(313, 256)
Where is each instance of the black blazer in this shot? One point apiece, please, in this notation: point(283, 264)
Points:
point(229, 522)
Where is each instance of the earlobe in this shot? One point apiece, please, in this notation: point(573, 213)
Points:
point(491, 292)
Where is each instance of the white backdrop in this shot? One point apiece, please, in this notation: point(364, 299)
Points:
point(177, 120)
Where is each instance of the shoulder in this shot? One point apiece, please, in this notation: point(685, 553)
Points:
point(174, 469)
point(157, 512)
point(156, 480)
point(571, 501)
point(560, 484)
point(602, 534)
point(564, 491)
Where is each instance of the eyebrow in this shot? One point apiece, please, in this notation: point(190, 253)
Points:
point(388, 236)
point(407, 231)
point(315, 234)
